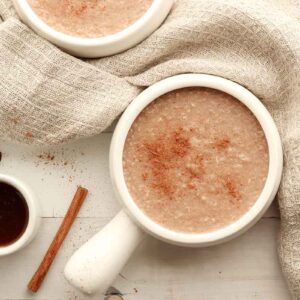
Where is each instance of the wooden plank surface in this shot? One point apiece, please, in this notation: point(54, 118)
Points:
point(245, 268)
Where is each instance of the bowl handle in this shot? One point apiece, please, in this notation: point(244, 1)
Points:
point(95, 265)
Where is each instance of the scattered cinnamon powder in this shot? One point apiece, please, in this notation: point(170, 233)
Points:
point(47, 156)
point(222, 144)
point(15, 121)
point(192, 172)
point(159, 158)
point(181, 143)
point(232, 189)
point(28, 135)
point(191, 186)
point(163, 154)
point(82, 7)
point(200, 161)
point(197, 170)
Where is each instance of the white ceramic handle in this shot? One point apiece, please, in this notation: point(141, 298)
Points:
point(95, 265)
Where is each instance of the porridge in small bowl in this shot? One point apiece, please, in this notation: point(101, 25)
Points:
point(90, 18)
point(93, 28)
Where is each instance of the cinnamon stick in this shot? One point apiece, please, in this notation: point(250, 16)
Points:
point(62, 232)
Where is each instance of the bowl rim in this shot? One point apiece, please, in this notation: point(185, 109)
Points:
point(275, 159)
point(33, 215)
point(37, 23)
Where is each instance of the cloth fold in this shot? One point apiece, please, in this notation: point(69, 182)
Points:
point(47, 96)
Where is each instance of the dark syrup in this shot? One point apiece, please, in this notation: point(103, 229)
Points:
point(14, 214)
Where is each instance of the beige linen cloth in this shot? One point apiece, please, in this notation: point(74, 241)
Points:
point(48, 97)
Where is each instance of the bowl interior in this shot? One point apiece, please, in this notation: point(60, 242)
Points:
point(25, 10)
point(263, 117)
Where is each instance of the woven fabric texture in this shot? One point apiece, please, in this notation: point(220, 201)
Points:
point(48, 96)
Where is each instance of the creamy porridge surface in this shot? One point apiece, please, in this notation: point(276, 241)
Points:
point(90, 18)
point(195, 160)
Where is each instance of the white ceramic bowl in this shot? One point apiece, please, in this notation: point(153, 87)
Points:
point(96, 264)
point(103, 46)
point(34, 215)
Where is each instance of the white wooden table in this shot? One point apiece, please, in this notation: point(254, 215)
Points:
point(246, 268)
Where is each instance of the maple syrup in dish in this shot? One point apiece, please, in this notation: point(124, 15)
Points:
point(14, 214)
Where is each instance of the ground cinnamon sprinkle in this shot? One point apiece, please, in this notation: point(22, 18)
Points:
point(163, 154)
point(15, 121)
point(222, 144)
point(180, 144)
point(46, 156)
point(29, 135)
point(80, 9)
point(232, 189)
point(191, 186)
point(197, 171)
point(159, 158)
point(192, 172)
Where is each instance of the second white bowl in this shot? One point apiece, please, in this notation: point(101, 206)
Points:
point(103, 46)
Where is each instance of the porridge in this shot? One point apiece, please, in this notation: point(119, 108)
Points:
point(90, 18)
point(195, 160)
